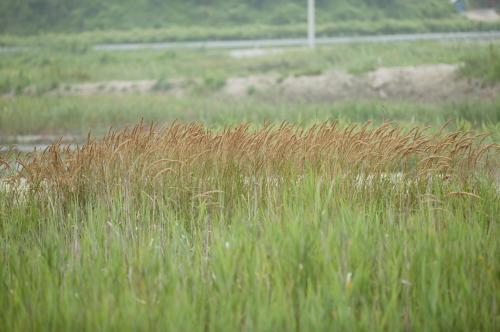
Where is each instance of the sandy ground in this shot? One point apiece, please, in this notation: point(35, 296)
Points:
point(428, 83)
point(482, 15)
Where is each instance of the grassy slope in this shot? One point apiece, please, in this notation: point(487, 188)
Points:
point(97, 21)
point(65, 15)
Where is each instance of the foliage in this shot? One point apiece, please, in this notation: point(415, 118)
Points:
point(66, 15)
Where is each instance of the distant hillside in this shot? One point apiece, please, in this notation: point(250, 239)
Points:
point(31, 16)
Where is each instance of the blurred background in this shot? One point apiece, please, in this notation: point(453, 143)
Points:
point(67, 66)
point(33, 16)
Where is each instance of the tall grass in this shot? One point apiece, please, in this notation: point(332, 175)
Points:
point(253, 228)
point(190, 157)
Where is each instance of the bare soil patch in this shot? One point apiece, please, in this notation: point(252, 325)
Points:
point(482, 15)
point(119, 87)
point(427, 83)
point(420, 83)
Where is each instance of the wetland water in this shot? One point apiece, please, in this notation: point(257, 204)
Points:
point(30, 143)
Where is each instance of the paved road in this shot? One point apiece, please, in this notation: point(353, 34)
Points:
point(260, 43)
point(236, 44)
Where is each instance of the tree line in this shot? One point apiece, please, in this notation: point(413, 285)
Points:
point(30, 16)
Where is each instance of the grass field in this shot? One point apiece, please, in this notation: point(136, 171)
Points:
point(248, 213)
point(75, 115)
point(51, 68)
point(263, 228)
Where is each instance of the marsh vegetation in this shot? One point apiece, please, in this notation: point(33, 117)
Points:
point(276, 227)
point(182, 206)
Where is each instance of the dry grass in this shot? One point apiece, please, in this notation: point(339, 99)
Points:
point(146, 158)
point(273, 228)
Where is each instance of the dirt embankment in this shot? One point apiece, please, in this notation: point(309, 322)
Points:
point(482, 15)
point(428, 83)
point(419, 83)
